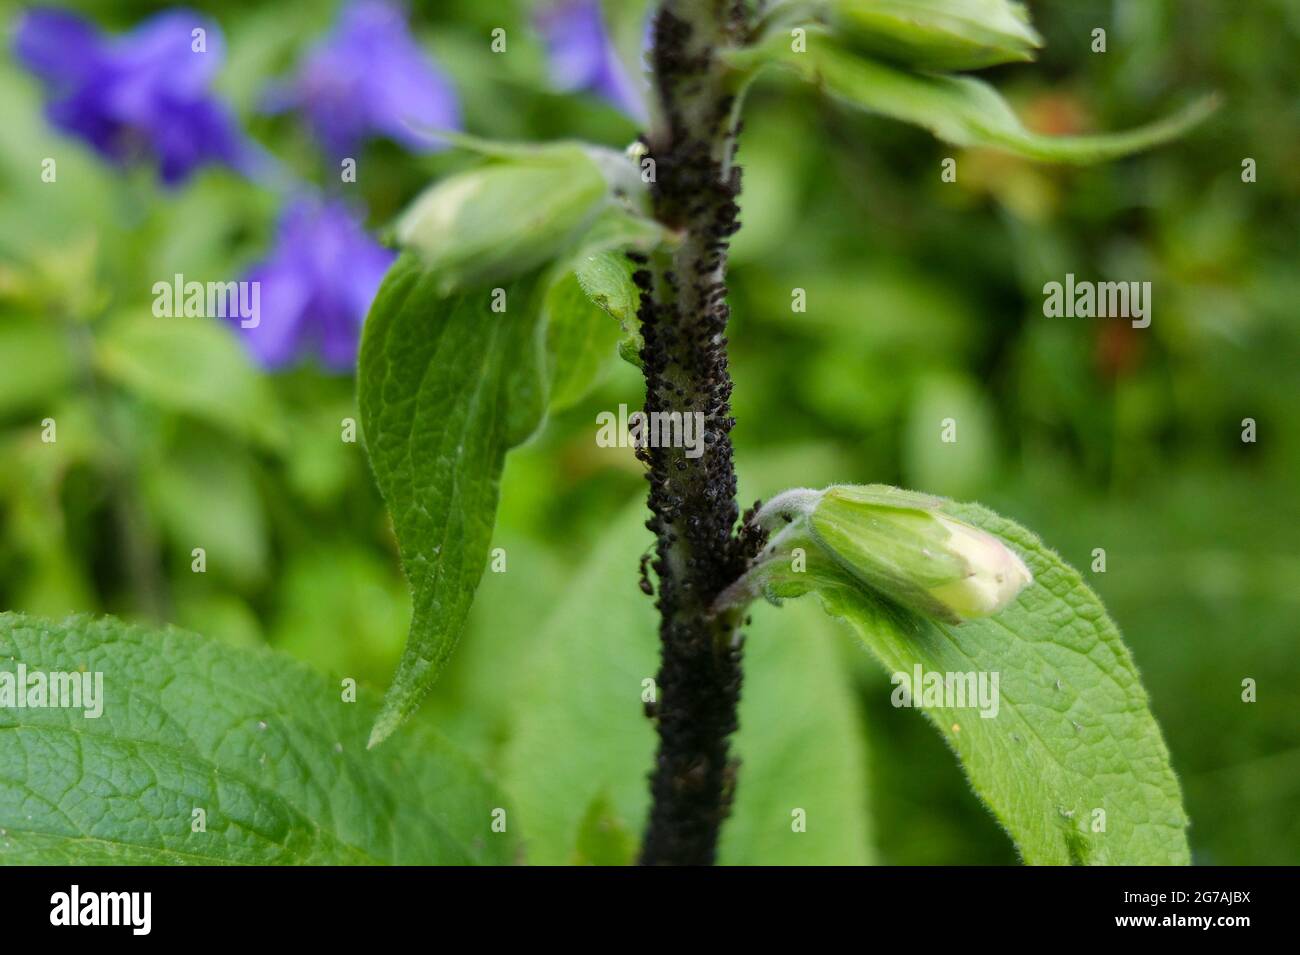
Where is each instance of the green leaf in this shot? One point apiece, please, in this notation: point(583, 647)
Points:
point(938, 35)
point(580, 338)
point(339, 608)
point(800, 746)
point(38, 363)
point(603, 838)
point(582, 745)
point(958, 469)
point(446, 386)
point(194, 366)
point(590, 310)
point(604, 272)
point(957, 109)
point(606, 278)
point(266, 748)
point(1073, 733)
point(228, 524)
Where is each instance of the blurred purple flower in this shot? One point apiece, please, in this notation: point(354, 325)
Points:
point(143, 94)
point(370, 78)
point(583, 57)
point(316, 286)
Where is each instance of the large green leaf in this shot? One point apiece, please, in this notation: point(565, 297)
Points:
point(957, 109)
point(578, 757)
point(268, 749)
point(451, 375)
point(446, 386)
point(801, 747)
point(1073, 734)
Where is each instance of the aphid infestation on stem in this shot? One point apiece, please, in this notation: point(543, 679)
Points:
point(693, 502)
point(515, 282)
point(651, 252)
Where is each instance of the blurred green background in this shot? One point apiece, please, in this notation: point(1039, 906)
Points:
point(924, 303)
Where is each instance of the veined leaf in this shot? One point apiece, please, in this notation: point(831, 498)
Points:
point(957, 109)
point(1073, 764)
point(577, 759)
point(268, 750)
point(446, 386)
point(939, 35)
point(448, 383)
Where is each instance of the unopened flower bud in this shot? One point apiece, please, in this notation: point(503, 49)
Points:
point(505, 218)
point(896, 543)
point(938, 34)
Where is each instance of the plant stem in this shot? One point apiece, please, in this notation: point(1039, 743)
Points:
point(136, 533)
point(692, 499)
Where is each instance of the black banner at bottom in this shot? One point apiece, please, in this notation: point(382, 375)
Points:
point(335, 906)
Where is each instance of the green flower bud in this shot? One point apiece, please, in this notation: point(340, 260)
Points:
point(895, 543)
point(505, 218)
point(938, 35)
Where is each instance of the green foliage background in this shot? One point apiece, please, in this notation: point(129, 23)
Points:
point(924, 302)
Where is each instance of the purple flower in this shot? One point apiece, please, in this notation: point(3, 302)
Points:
point(582, 56)
point(140, 95)
point(316, 287)
point(370, 78)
